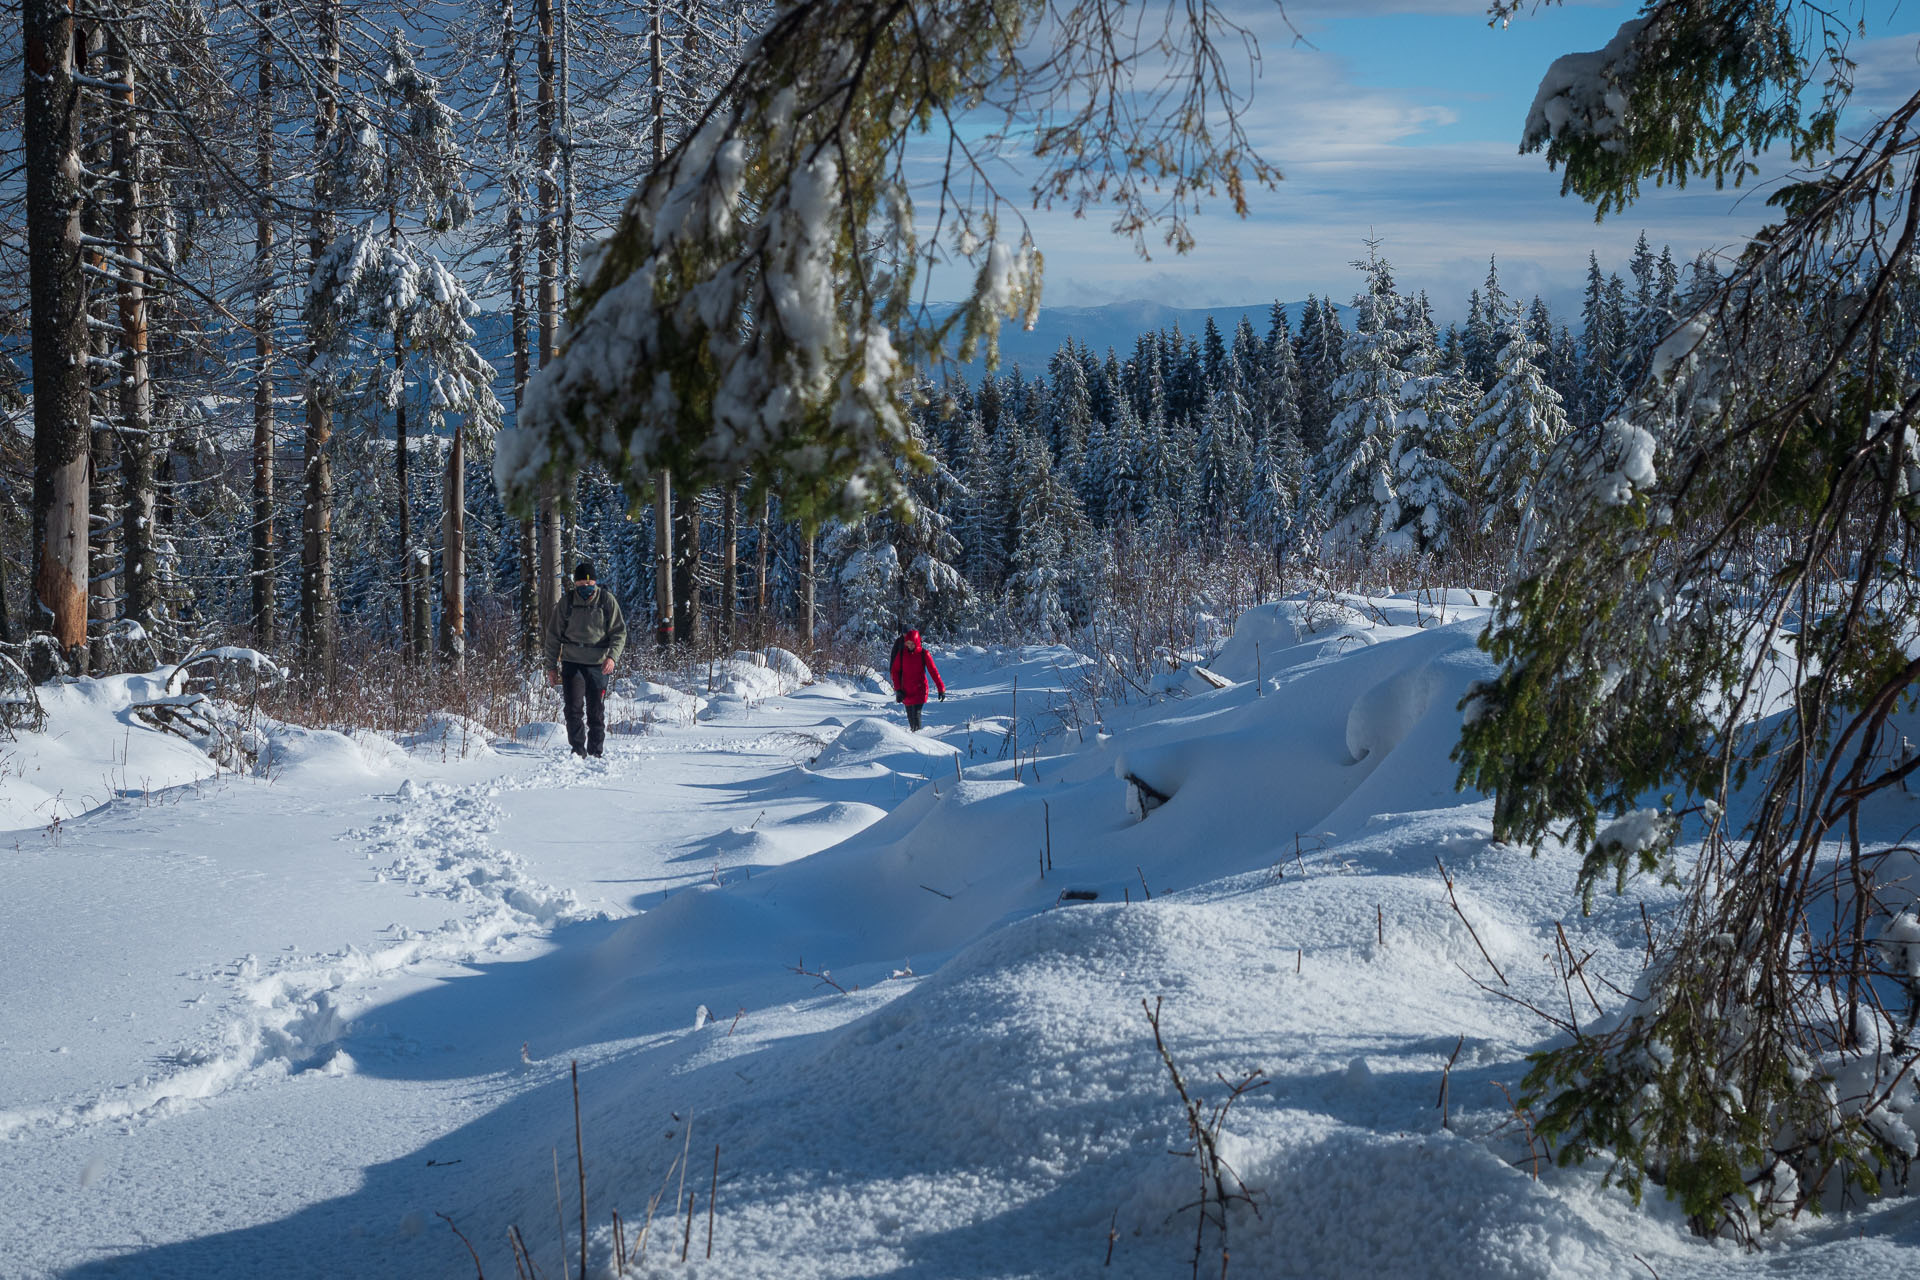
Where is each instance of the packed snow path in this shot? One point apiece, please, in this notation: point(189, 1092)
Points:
point(273, 1026)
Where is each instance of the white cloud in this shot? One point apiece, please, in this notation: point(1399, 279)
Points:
point(1362, 160)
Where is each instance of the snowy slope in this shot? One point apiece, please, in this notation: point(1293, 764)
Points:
point(271, 1027)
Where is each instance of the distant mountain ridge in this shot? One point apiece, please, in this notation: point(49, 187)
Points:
point(1117, 324)
point(1114, 324)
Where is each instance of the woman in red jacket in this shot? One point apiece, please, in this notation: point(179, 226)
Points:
point(911, 666)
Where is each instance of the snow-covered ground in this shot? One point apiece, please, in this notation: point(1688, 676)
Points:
point(263, 1026)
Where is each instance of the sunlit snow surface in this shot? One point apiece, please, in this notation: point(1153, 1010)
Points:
point(271, 1026)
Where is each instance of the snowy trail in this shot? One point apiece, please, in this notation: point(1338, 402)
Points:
point(301, 1018)
point(229, 945)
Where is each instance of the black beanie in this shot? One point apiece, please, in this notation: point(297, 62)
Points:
point(583, 571)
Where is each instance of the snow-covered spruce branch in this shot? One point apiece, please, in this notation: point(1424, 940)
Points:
point(754, 311)
point(1746, 639)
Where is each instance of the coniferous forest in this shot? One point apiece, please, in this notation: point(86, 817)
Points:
point(321, 251)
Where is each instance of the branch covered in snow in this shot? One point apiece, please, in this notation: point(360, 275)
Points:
point(754, 311)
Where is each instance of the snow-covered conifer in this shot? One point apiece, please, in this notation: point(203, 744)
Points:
point(1353, 478)
point(1516, 424)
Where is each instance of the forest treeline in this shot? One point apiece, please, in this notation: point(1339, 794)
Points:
point(320, 250)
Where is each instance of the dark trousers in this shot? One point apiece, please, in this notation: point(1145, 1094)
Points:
point(585, 687)
point(913, 715)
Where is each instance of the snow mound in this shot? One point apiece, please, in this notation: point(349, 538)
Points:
point(1267, 631)
point(841, 813)
point(655, 703)
point(542, 735)
point(92, 748)
point(871, 740)
point(321, 754)
point(1384, 715)
point(449, 736)
point(867, 680)
point(790, 665)
point(726, 707)
point(748, 682)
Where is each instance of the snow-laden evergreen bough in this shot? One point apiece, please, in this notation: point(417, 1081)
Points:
point(1713, 636)
point(755, 310)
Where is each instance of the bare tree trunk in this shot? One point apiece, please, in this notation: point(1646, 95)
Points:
point(762, 594)
point(663, 479)
point(453, 552)
point(96, 225)
point(663, 552)
point(546, 127)
point(806, 599)
point(729, 561)
point(419, 625)
point(414, 639)
point(260, 568)
point(316, 517)
point(529, 591)
point(522, 318)
point(6, 613)
point(62, 408)
point(686, 565)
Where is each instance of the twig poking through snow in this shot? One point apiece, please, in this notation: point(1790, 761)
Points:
point(1220, 1185)
point(560, 1214)
point(580, 1164)
point(825, 975)
point(1446, 1078)
point(712, 1191)
point(1463, 920)
point(519, 1244)
point(482, 1275)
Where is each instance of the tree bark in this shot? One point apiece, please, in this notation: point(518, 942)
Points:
point(806, 600)
point(663, 553)
point(729, 561)
point(420, 592)
point(260, 567)
point(546, 129)
point(762, 594)
point(663, 479)
point(522, 318)
point(414, 639)
point(453, 552)
point(318, 632)
point(103, 484)
point(62, 409)
point(686, 565)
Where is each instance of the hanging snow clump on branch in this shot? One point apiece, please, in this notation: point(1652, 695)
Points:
point(754, 310)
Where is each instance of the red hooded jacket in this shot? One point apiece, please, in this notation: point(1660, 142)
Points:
point(911, 667)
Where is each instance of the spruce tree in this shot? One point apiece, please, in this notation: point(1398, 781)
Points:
point(1353, 478)
point(1516, 425)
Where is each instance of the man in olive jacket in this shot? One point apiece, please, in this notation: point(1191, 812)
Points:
point(585, 635)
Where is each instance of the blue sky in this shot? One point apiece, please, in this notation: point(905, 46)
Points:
point(1403, 119)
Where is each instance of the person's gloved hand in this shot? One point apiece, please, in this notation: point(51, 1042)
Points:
point(553, 678)
point(943, 695)
point(898, 696)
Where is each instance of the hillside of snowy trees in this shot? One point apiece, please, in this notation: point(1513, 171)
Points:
point(326, 248)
